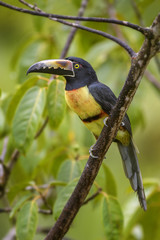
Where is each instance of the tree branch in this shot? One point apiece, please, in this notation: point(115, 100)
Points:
point(145, 31)
point(101, 33)
point(34, 7)
point(138, 66)
point(71, 35)
point(75, 25)
point(106, 35)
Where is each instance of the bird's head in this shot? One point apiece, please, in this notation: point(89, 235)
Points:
point(77, 72)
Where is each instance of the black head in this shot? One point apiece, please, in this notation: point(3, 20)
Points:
point(84, 74)
point(78, 72)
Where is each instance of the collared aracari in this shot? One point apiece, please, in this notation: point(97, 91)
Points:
point(93, 102)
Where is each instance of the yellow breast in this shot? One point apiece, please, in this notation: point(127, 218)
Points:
point(82, 102)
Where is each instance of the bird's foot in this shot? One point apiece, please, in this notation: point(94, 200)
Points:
point(105, 121)
point(122, 124)
point(90, 152)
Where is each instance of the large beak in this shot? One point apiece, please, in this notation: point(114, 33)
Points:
point(54, 66)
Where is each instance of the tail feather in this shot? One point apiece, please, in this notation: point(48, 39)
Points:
point(132, 171)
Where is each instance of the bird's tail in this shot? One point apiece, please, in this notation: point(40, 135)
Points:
point(132, 171)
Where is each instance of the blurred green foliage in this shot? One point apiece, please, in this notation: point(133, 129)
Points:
point(56, 158)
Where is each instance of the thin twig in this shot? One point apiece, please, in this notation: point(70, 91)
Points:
point(137, 12)
point(6, 170)
point(42, 128)
point(34, 7)
point(112, 14)
point(93, 196)
point(157, 60)
point(43, 197)
point(44, 186)
point(14, 157)
point(43, 230)
point(10, 235)
point(73, 30)
point(152, 79)
point(43, 211)
point(5, 210)
point(146, 31)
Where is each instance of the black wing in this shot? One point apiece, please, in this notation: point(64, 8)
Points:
point(106, 98)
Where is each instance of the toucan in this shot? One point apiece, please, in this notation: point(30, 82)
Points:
point(93, 101)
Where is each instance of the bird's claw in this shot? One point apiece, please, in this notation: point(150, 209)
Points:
point(122, 124)
point(90, 152)
point(105, 121)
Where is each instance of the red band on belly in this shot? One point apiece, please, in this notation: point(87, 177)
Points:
point(96, 117)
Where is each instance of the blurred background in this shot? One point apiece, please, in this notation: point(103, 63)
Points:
point(25, 39)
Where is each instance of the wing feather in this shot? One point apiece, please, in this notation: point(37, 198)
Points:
point(106, 98)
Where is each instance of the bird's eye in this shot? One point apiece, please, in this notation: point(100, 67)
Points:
point(76, 65)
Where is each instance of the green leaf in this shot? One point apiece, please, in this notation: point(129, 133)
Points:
point(150, 220)
point(27, 117)
point(2, 121)
point(16, 189)
point(27, 163)
point(27, 221)
point(19, 204)
point(69, 170)
point(22, 46)
point(63, 197)
point(56, 103)
point(112, 218)
point(133, 212)
point(101, 51)
point(18, 95)
point(111, 188)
